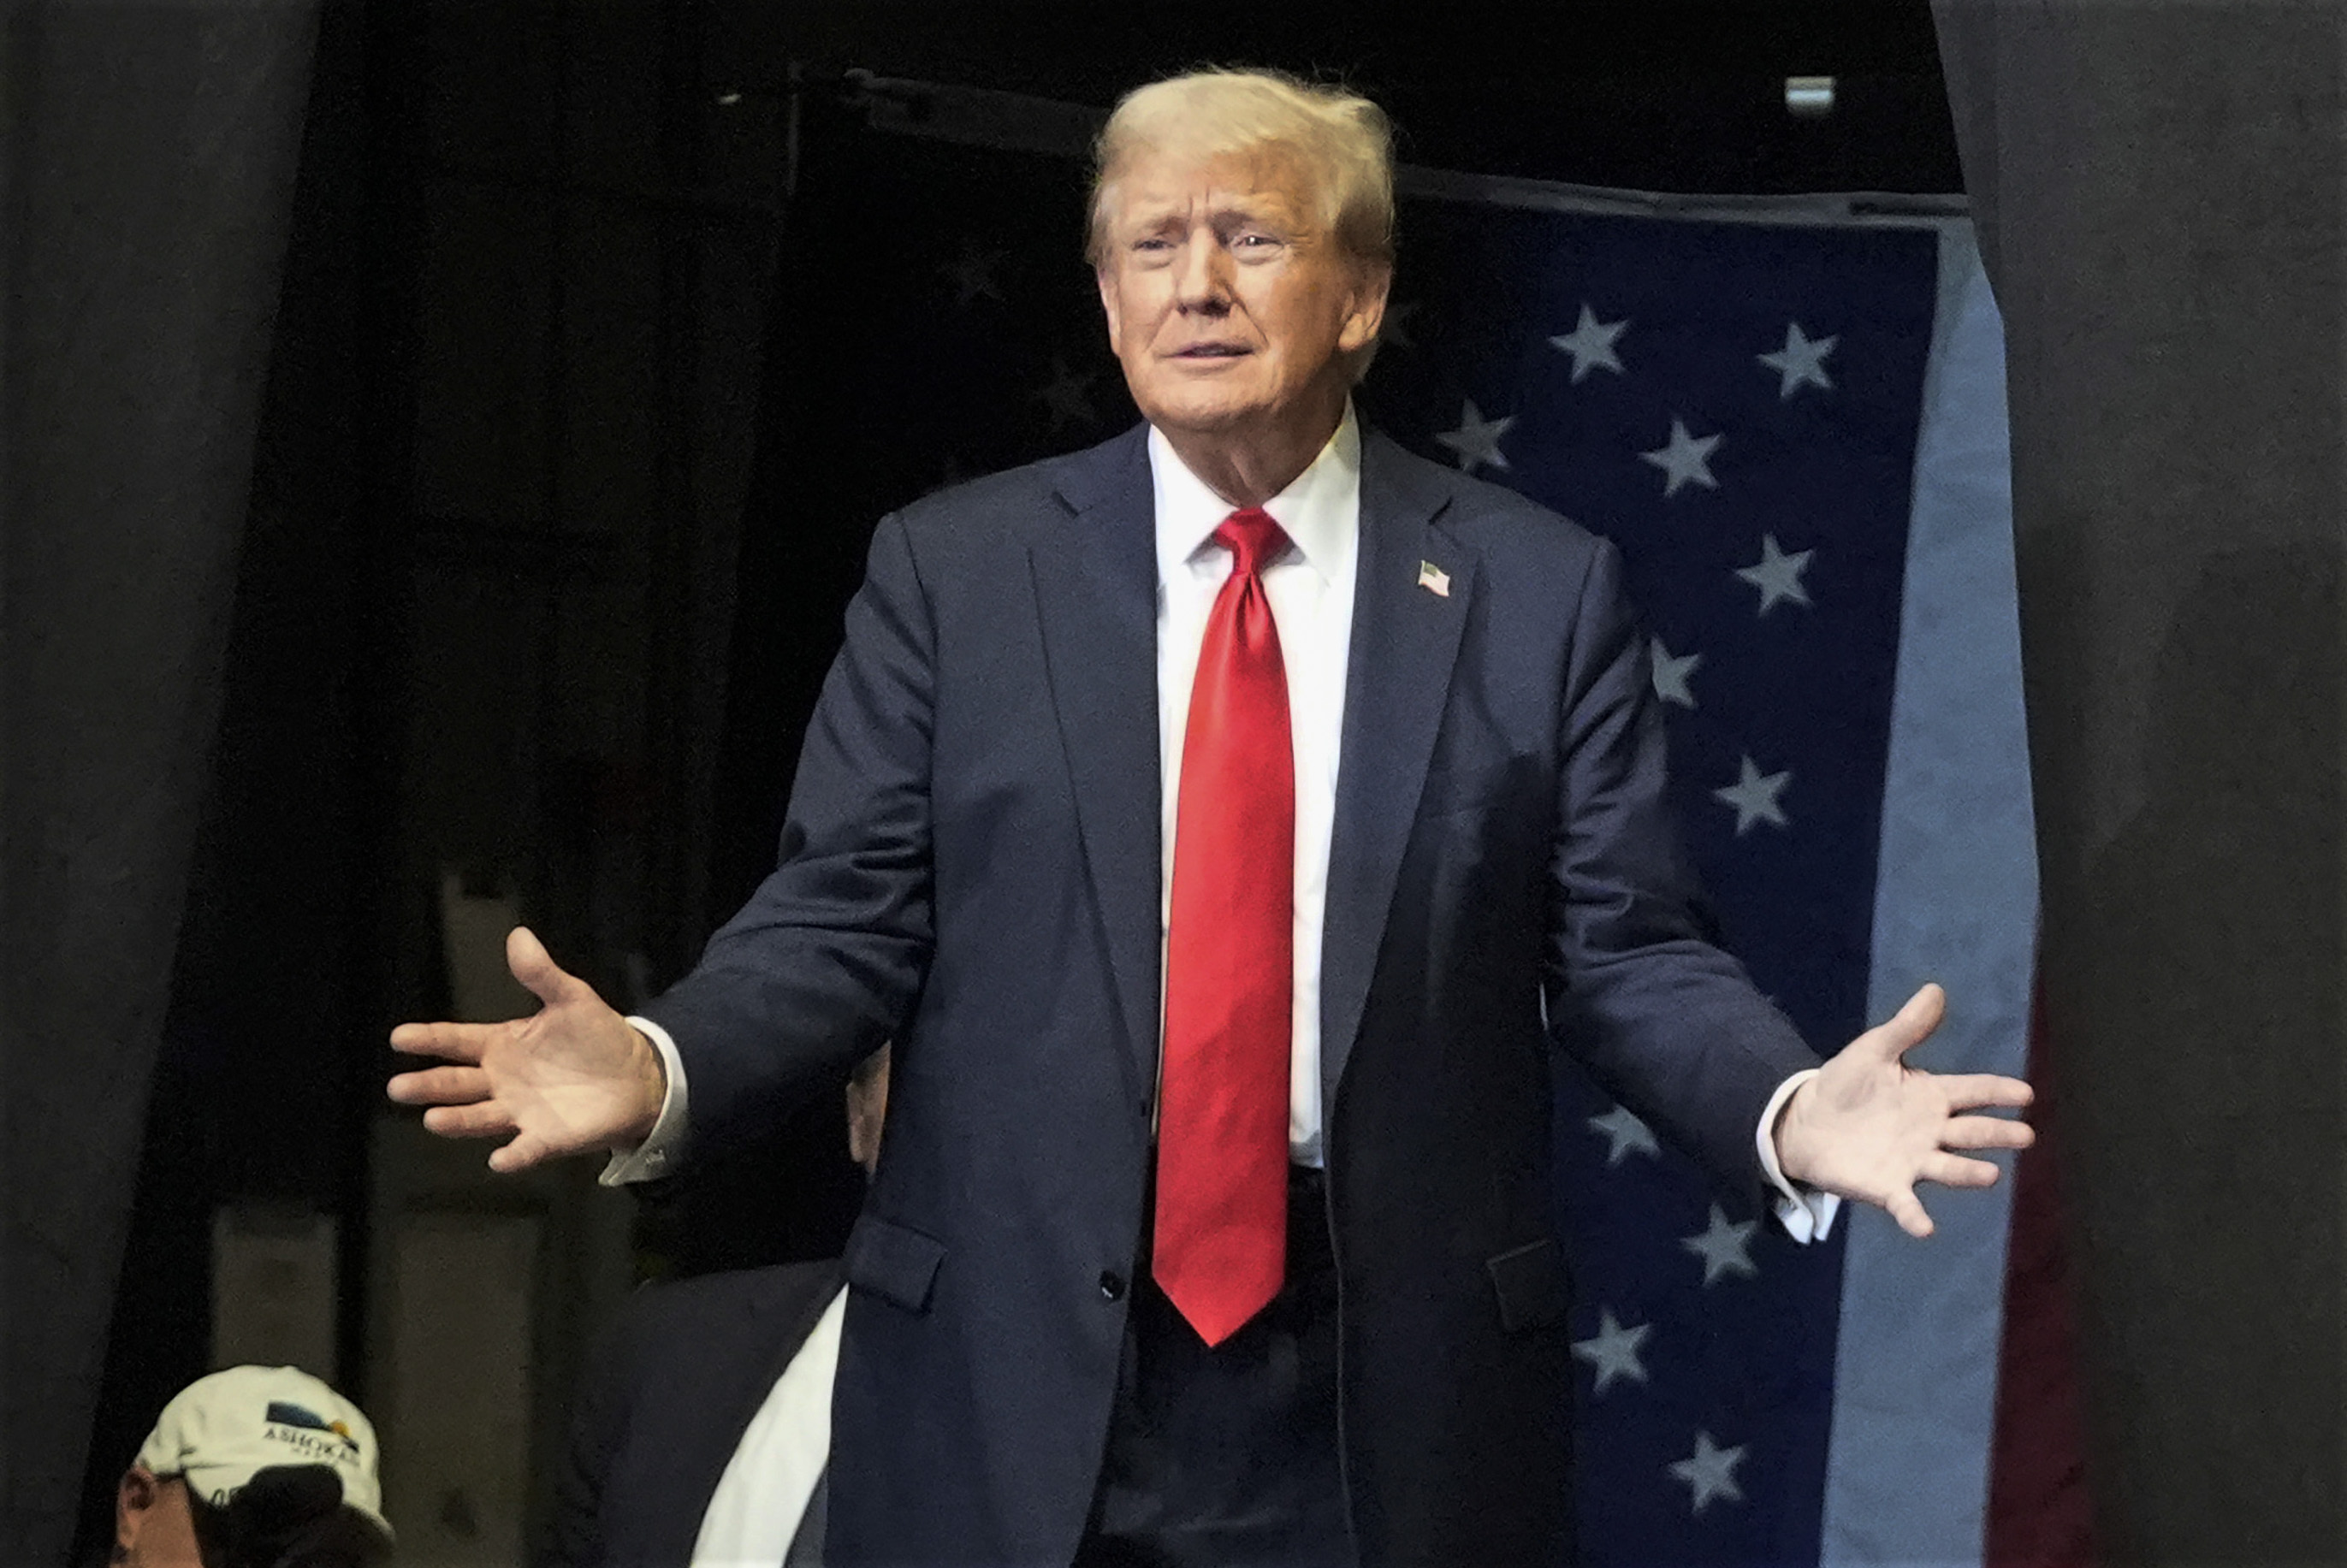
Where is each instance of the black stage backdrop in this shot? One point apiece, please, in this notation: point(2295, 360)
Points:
point(904, 356)
point(2158, 187)
point(934, 321)
point(150, 159)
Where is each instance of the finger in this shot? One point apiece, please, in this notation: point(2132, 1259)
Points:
point(1986, 1132)
point(1911, 1025)
point(1983, 1091)
point(457, 1041)
point(533, 966)
point(1908, 1210)
point(440, 1086)
point(489, 1119)
point(1954, 1170)
point(527, 1150)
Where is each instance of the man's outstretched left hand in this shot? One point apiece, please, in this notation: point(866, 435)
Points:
point(1870, 1127)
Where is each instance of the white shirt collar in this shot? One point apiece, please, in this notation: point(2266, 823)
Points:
point(1320, 511)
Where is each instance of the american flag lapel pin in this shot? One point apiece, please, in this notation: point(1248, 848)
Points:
point(1434, 580)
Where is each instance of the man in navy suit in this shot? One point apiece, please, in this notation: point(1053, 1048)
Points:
point(1226, 822)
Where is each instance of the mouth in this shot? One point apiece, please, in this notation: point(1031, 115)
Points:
point(1207, 351)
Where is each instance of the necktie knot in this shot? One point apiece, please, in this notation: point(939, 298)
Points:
point(1254, 539)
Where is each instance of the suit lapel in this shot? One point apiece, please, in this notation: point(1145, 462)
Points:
point(1405, 641)
point(1096, 593)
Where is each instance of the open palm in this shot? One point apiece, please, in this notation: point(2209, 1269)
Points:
point(572, 1077)
point(1870, 1127)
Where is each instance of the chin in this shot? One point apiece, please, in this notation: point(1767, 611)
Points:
point(1205, 415)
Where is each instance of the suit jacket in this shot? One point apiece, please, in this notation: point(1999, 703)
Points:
point(971, 865)
point(674, 1385)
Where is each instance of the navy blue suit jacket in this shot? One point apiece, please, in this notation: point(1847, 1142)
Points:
point(970, 866)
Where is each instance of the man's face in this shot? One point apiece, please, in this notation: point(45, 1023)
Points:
point(1228, 300)
point(157, 1524)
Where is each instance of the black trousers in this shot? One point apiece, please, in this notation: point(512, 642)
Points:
point(1227, 1457)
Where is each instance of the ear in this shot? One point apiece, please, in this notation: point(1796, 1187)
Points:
point(134, 1500)
point(1105, 280)
point(1367, 307)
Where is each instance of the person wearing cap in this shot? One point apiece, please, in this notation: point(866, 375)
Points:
point(254, 1466)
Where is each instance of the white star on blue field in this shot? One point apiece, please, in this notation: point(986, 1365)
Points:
point(1671, 673)
point(1710, 1473)
point(1725, 1245)
point(1591, 343)
point(1684, 459)
point(1613, 1353)
point(1778, 576)
point(1477, 439)
point(1800, 363)
point(1755, 797)
point(1625, 1136)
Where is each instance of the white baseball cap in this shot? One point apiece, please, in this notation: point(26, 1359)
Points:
point(219, 1431)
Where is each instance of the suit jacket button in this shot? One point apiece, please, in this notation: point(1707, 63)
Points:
point(1111, 1285)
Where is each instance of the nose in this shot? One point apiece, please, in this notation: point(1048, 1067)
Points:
point(1202, 282)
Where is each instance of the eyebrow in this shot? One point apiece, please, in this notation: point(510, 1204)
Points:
point(1144, 217)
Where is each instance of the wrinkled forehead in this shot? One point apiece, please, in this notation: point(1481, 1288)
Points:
point(1163, 178)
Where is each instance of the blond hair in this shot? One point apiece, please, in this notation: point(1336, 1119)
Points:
point(1344, 140)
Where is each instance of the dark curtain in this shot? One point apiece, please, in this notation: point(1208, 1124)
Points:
point(269, 1068)
point(150, 157)
point(2158, 192)
point(890, 370)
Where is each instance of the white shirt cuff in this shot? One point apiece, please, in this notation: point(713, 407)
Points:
point(658, 1154)
point(1806, 1213)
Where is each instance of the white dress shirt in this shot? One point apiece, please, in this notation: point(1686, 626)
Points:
point(764, 1493)
point(1311, 586)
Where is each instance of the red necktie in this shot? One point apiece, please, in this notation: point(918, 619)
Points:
point(1221, 1241)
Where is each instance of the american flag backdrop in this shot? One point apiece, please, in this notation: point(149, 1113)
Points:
point(1790, 417)
point(1791, 421)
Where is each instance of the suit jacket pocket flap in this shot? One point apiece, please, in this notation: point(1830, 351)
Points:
point(895, 1263)
point(1530, 1283)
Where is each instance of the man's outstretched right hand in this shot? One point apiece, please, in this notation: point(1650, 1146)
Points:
point(574, 1077)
